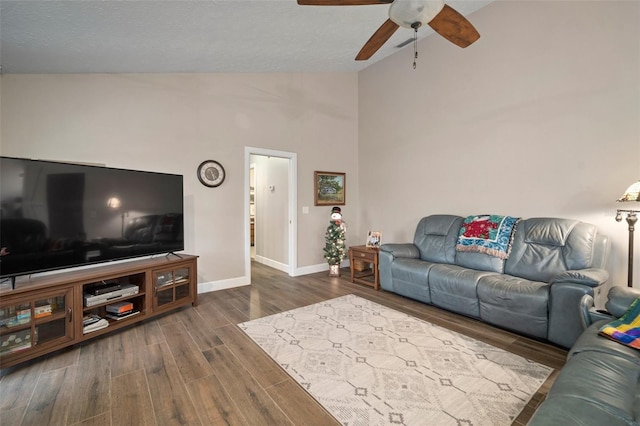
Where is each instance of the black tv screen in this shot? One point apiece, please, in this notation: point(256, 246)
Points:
point(58, 215)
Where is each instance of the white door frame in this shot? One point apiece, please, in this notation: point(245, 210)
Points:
point(292, 203)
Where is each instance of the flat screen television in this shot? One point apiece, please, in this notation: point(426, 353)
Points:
point(59, 215)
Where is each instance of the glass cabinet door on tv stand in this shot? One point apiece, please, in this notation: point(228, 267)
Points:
point(172, 286)
point(35, 323)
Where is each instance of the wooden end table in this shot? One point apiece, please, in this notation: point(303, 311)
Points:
point(364, 254)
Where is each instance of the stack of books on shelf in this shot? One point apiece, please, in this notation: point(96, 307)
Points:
point(93, 322)
point(41, 311)
point(121, 310)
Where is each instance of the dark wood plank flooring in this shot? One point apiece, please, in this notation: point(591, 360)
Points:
point(196, 367)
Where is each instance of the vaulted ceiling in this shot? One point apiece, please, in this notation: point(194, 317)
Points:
point(209, 36)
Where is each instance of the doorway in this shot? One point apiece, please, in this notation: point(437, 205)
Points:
point(270, 209)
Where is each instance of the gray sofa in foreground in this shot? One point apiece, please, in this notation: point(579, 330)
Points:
point(600, 383)
point(551, 265)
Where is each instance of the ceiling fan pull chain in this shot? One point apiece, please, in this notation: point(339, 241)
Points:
point(415, 43)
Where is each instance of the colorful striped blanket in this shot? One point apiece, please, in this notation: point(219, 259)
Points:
point(626, 329)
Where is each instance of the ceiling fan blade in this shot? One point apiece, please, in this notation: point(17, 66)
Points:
point(341, 2)
point(376, 41)
point(454, 27)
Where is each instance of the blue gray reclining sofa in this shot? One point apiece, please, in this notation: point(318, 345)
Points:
point(534, 288)
point(600, 383)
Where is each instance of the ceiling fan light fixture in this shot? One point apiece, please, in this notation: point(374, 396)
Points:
point(407, 13)
point(442, 19)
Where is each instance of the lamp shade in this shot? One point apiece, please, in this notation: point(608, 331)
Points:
point(113, 203)
point(632, 193)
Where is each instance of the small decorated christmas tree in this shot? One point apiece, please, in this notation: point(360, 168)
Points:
point(334, 249)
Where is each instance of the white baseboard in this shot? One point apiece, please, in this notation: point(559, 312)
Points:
point(242, 281)
point(272, 263)
point(312, 269)
point(222, 284)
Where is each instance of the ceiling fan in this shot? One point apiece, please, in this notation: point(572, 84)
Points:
point(444, 20)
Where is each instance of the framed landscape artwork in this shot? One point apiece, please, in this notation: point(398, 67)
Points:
point(330, 188)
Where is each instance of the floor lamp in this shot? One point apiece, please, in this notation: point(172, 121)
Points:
point(115, 204)
point(631, 194)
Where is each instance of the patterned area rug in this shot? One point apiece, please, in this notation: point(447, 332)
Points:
point(371, 365)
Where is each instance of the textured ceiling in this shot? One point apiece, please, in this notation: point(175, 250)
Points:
point(166, 36)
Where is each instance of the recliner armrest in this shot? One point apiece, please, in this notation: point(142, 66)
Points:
point(401, 250)
point(586, 304)
point(590, 277)
point(619, 300)
point(589, 314)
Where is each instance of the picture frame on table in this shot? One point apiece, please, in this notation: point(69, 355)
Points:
point(329, 188)
point(374, 239)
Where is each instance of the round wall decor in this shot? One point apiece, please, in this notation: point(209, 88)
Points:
point(211, 173)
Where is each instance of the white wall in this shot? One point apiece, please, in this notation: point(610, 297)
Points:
point(171, 123)
point(540, 117)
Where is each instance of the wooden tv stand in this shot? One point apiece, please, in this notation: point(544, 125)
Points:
point(44, 314)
